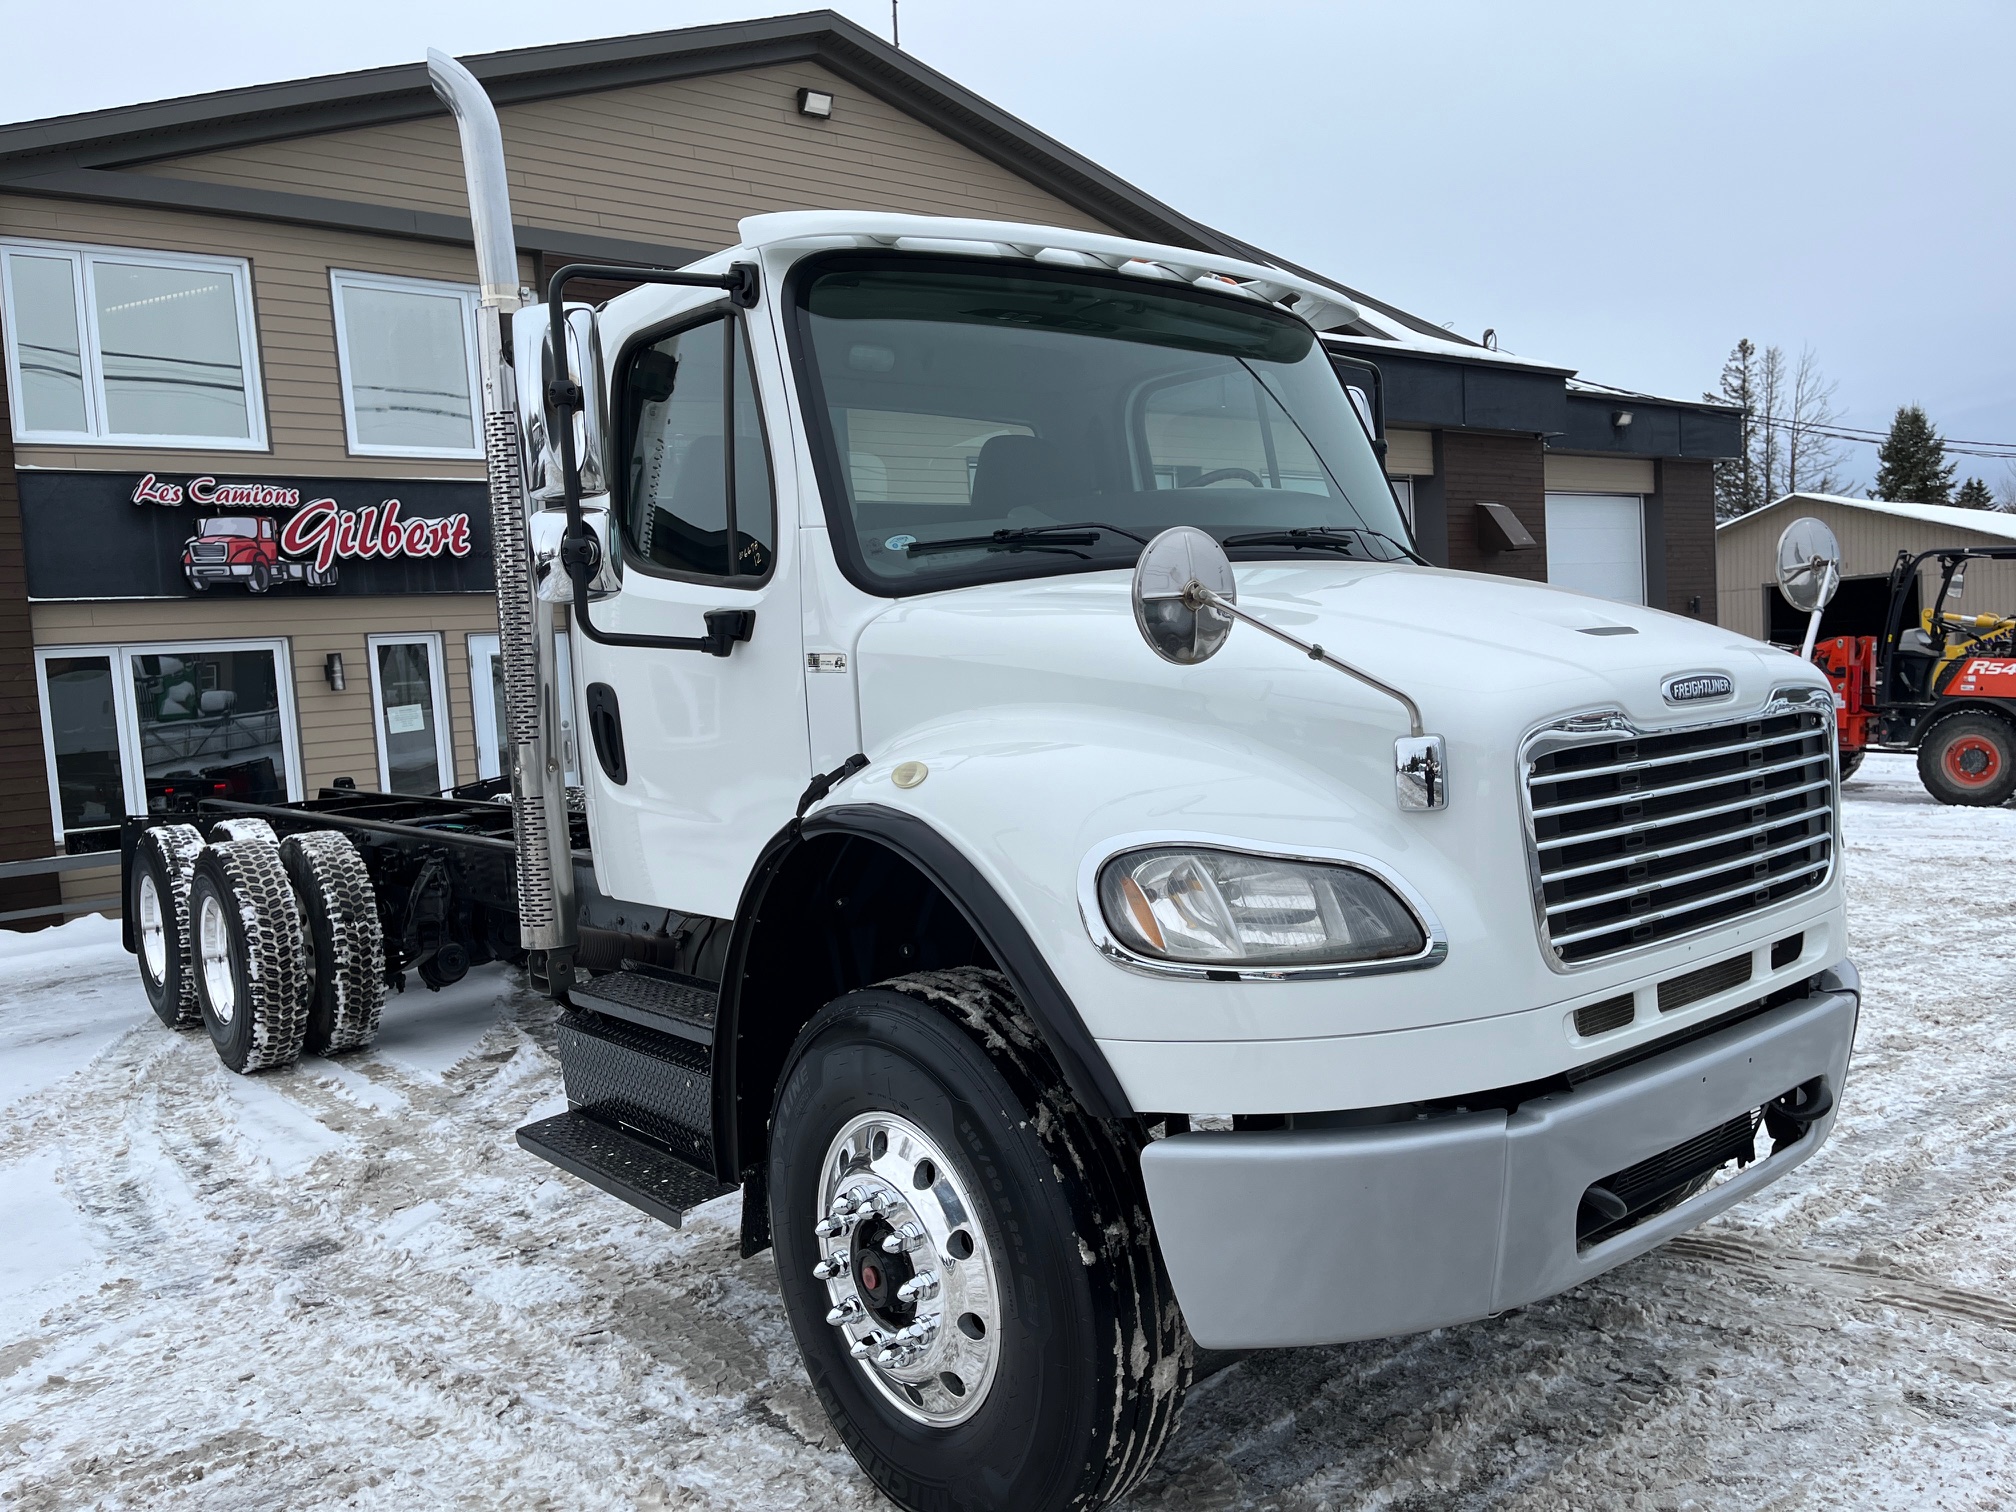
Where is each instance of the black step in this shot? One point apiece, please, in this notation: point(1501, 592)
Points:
point(622, 1165)
point(656, 999)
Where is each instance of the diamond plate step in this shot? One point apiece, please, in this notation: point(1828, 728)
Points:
point(622, 1165)
point(661, 1000)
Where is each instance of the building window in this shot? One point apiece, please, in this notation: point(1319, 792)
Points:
point(493, 725)
point(144, 729)
point(114, 348)
point(1596, 544)
point(409, 698)
point(1403, 495)
point(406, 349)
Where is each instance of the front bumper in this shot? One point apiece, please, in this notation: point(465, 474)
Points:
point(1318, 1236)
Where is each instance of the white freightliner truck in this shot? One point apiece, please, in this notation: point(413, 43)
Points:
point(1061, 977)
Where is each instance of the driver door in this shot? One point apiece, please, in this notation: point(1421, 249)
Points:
point(713, 750)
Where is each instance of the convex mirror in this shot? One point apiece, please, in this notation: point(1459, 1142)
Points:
point(1176, 627)
point(1809, 564)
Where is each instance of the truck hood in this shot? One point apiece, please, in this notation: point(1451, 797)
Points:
point(1053, 737)
point(1486, 657)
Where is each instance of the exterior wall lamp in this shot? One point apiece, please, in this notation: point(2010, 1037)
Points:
point(332, 671)
point(816, 103)
point(1620, 418)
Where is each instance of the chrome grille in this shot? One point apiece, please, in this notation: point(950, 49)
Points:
point(208, 551)
point(1639, 837)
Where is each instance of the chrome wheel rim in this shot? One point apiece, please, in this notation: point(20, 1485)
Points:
point(214, 941)
point(911, 1282)
point(153, 932)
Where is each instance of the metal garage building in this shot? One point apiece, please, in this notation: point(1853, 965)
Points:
point(1872, 532)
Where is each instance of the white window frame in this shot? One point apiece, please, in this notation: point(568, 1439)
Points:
point(484, 647)
point(344, 278)
point(83, 258)
point(126, 717)
point(444, 741)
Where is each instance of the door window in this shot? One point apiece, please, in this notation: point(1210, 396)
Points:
point(1596, 544)
point(683, 396)
point(410, 702)
point(149, 729)
point(80, 708)
point(493, 724)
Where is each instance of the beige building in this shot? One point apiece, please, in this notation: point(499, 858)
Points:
point(243, 535)
point(1872, 532)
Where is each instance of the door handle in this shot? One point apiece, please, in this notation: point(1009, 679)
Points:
point(605, 728)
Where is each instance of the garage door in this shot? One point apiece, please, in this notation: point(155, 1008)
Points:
point(1596, 544)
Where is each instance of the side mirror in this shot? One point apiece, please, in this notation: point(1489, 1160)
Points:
point(1809, 572)
point(1185, 600)
point(1809, 564)
point(532, 336)
point(550, 579)
point(1178, 625)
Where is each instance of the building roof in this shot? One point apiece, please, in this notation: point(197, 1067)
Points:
point(102, 154)
point(1982, 521)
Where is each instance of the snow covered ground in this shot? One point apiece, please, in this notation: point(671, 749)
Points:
point(343, 1285)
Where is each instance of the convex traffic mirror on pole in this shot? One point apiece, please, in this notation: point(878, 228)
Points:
point(1809, 572)
point(1185, 601)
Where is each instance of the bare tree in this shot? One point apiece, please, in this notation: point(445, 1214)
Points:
point(1767, 431)
point(1812, 458)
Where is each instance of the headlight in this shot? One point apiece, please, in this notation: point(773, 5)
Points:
point(1214, 907)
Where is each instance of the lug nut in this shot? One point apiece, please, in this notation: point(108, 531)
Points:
point(921, 1287)
point(828, 1268)
point(848, 1309)
point(834, 1227)
point(861, 1349)
point(906, 1237)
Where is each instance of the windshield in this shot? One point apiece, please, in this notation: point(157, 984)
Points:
point(227, 527)
point(970, 410)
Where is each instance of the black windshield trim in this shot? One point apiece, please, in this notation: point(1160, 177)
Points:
point(840, 529)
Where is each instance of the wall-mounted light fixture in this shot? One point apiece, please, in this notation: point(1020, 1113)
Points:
point(1620, 418)
point(816, 103)
point(332, 670)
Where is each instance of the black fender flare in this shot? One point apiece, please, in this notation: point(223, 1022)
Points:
point(1084, 1065)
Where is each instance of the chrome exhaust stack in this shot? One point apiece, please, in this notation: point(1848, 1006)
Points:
point(525, 622)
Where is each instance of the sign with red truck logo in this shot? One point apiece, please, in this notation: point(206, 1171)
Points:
point(156, 535)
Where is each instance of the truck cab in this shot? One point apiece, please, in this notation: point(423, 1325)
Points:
point(1394, 1061)
point(1049, 841)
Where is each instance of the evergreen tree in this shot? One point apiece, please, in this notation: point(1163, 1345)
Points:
point(1737, 487)
point(1974, 494)
point(1911, 464)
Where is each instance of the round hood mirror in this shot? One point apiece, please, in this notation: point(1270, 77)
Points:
point(1176, 628)
point(1809, 564)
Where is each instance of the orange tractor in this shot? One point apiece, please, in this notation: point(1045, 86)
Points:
point(1944, 686)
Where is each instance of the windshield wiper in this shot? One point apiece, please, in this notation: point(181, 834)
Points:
point(1027, 538)
point(1329, 537)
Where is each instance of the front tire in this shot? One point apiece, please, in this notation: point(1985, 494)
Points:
point(1969, 759)
point(247, 955)
point(1044, 1362)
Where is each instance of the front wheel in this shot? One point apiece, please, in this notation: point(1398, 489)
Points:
point(1970, 759)
point(966, 1257)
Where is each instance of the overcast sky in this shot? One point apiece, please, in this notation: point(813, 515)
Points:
point(1623, 189)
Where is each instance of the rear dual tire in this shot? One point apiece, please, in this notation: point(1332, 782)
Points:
point(246, 949)
point(157, 904)
point(285, 953)
point(1087, 1357)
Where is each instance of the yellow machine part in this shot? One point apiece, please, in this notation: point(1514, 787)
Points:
point(1958, 633)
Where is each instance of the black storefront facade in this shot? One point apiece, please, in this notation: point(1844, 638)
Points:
point(254, 635)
